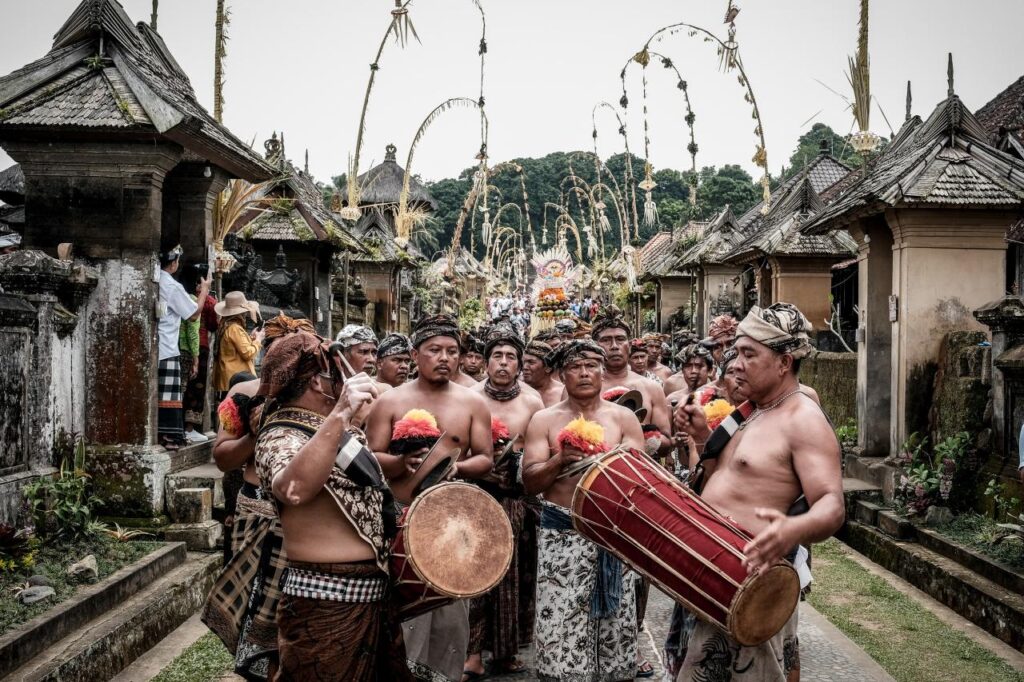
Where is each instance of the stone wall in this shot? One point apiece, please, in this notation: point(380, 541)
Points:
point(834, 377)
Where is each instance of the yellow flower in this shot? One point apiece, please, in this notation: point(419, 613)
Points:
point(591, 432)
point(421, 416)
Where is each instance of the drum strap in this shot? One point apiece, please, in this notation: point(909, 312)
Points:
point(607, 594)
point(717, 441)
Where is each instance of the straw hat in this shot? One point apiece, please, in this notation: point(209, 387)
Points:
point(234, 303)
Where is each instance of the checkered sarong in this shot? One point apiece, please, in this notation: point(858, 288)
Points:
point(168, 383)
point(308, 584)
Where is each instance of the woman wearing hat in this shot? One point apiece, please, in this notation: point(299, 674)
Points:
point(236, 348)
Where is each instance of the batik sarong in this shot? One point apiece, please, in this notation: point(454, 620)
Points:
point(572, 644)
point(170, 415)
point(526, 549)
point(336, 623)
point(712, 655)
point(242, 607)
point(494, 617)
point(436, 642)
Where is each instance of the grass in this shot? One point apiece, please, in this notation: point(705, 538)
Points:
point(976, 531)
point(906, 639)
point(205, 660)
point(51, 561)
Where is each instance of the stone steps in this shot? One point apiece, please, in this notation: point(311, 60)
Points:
point(191, 495)
point(872, 470)
point(104, 646)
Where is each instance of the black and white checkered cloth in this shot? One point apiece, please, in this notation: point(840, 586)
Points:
point(315, 585)
point(168, 383)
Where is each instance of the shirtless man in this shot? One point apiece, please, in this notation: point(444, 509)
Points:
point(697, 364)
point(654, 352)
point(638, 357)
point(494, 622)
point(437, 641)
point(330, 492)
point(784, 450)
point(394, 355)
point(571, 643)
point(612, 334)
point(472, 362)
point(539, 375)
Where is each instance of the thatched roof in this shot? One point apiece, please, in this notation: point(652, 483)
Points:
point(382, 184)
point(104, 74)
point(1003, 118)
point(12, 185)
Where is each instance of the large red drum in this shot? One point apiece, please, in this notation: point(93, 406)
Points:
point(632, 507)
point(454, 542)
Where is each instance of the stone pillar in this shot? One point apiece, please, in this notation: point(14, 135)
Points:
point(107, 200)
point(874, 335)
point(946, 263)
point(1005, 319)
point(806, 283)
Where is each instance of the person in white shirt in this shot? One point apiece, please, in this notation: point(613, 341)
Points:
point(176, 305)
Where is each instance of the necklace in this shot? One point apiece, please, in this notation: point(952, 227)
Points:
point(761, 410)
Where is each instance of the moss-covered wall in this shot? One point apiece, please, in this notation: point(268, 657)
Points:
point(834, 377)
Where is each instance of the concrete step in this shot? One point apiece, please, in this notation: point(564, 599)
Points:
point(873, 470)
point(205, 475)
point(103, 647)
point(991, 606)
point(855, 490)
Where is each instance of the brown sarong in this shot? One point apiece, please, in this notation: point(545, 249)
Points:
point(327, 640)
point(494, 617)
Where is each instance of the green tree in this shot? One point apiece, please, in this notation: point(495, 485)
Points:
point(809, 145)
point(729, 185)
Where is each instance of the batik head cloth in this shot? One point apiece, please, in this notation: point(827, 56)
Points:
point(394, 344)
point(722, 326)
point(609, 317)
point(435, 325)
point(539, 349)
point(282, 325)
point(570, 351)
point(472, 343)
point(695, 350)
point(565, 326)
point(503, 333)
point(292, 359)
point(780, 327)
point(354, 334)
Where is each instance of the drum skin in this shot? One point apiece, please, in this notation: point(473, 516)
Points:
point(633, 508)
point(454, 542)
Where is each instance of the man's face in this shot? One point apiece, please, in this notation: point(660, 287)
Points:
point(503, 366)
point(394, 369)
point(436, 359)
point(615, 342)
point(534, 370)
point(758, 369)
point(472, 362)
point(638, 362)
point(583, 377)
point(695, 372)
point(362, 357)
point(732, 387)
point(653, 353)
point(721, 343)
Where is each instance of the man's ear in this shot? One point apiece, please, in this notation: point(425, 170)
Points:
point(786, 362)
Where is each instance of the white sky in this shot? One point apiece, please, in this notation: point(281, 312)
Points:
point(301, 66)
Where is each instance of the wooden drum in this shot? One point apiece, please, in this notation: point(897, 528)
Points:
point(632, 507)
point(453, 542)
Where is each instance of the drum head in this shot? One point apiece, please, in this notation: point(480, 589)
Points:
point(459, 539)
point(763, 605)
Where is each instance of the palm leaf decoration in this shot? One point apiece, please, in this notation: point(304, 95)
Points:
point(859, 75)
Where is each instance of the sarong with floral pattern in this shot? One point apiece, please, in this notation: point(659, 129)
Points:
point(713, 656)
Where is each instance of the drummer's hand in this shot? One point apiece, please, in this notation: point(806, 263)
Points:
point(689, 418)
point(414, 459)
point(571, 455)
point(357, 391)
point(771, 544)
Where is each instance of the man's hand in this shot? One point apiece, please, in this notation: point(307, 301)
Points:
point(771, 544)
point(357, 391)
point(413, 460)
point(571, 455)
point(689, 419)
point(258, 336)
point(195, 367)
point(204, 284)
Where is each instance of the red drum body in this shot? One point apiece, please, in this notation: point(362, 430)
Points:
point(454, 542)
point(638, 511)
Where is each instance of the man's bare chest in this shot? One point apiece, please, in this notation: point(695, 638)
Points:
point(758, 449)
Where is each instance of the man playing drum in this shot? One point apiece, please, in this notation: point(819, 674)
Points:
point(436, 641)
point(494, 617)
point(784, 450)
point(333, 619)
point(539, 375)
point(586, 604)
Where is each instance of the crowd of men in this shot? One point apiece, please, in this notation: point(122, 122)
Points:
point(306, 593)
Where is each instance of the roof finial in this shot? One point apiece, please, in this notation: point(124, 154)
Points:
point(909, 101)
point(306, 167)
point(389, 152)
point(949, 75)
point(152, 20)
